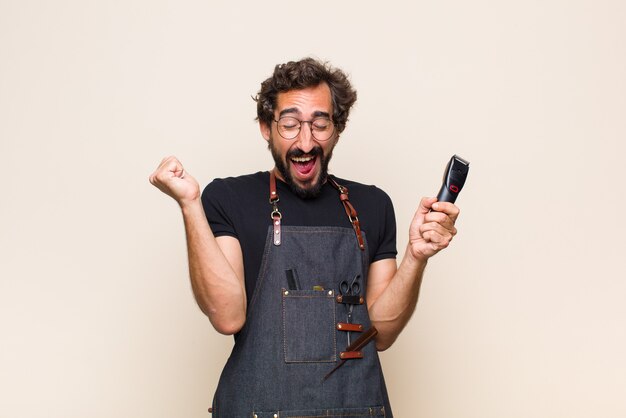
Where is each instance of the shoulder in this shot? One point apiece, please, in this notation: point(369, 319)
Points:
point(229, 193)
point(244, 185)
point(376, 215)
point(364, 192)
point(232, 201)
point(239, 184)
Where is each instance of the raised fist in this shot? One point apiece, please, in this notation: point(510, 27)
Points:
point(171, 178)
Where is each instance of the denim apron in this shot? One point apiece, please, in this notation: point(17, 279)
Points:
point(291, 339)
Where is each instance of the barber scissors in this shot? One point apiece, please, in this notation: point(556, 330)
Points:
point(350, 291)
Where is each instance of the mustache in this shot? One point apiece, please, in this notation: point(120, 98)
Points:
point(297, 152)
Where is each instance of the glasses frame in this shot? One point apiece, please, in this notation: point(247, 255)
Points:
point(310, 122)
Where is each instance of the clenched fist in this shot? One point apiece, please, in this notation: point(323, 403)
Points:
point(432, 227)
point(170, 177)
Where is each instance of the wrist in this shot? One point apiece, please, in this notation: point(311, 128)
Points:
point(190, 205)
point(415, 258)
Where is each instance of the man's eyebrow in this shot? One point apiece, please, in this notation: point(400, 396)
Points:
point(316, 114)
point(322, 114)
point(288, 110)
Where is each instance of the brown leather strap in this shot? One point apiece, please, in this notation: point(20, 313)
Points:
point(343, 196)
point(356, 345)
point(345, 326)
point(362, 341)
point(350, 299)
point(349, 355)
point(276, 215)
point(350, 211)
point(273, 192)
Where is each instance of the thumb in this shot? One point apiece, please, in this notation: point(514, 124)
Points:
point(424, 207)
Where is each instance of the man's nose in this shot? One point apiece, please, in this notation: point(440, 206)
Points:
point(305, 137)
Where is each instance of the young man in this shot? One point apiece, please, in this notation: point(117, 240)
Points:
point(300, 265)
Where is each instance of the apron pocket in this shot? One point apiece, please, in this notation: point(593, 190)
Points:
point(309, 326)
point(374, 411)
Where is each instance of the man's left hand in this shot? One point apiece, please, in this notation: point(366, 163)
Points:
point(432, 227)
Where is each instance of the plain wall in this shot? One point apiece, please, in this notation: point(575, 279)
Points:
point(523, 316)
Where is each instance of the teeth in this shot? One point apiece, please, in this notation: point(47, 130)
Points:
point(301, 159)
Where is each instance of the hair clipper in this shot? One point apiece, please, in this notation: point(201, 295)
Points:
point(453, 179)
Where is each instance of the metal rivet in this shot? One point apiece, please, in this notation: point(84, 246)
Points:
point(339, 326)
point(277, 232)
point(275, 415)
point(272, 193)
point(277, 242)
point(276, 223)
point(330, 293)
point(286, 292)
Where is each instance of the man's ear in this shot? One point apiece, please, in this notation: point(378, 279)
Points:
point(265, 130)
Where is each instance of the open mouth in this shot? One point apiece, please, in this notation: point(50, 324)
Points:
point(304, 165)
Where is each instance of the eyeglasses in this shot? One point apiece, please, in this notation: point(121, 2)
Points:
point(289, 127)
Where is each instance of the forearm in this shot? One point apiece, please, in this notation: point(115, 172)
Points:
point(393, 308)
point(217, 286)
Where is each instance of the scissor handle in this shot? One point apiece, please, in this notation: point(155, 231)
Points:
point(355, 288)
point(350, 289)
point(344, 287)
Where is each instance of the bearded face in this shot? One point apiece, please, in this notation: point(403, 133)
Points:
point(302, 154)
point(297, 160)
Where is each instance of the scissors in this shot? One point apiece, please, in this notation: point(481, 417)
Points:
point(352, 289)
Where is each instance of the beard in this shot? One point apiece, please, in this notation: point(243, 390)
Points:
point(314, 188)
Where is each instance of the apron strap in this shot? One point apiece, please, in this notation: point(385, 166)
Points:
point(276, 215)
point(350, 211)
point(343, 196)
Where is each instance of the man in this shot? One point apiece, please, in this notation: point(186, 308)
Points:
point(300, 265)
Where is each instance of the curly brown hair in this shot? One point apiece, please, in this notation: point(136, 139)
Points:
point(307, 72)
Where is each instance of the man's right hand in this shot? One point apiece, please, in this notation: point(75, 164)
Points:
point(171, 178)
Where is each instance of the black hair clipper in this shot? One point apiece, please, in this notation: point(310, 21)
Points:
point(453, 179)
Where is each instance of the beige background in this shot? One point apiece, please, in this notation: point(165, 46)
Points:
point(524, 316)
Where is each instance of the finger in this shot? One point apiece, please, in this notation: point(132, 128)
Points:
point(438, 241)
point(178, 170)
point(429, 228)
point(153, 177)
point(163, 166)
point(164, 162)
point(423, 209)
point(426, 204)
point(168, 162)
point(448, 208)
point(170, 168)
point(440, 218)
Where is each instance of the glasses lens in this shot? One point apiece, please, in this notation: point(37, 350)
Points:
point(322, 128)
point(288, 127)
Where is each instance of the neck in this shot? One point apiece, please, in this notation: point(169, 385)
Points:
point(276, 172)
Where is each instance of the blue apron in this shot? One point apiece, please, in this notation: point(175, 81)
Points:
point(292, 338)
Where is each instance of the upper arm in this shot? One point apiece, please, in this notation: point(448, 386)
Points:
point(379, 276)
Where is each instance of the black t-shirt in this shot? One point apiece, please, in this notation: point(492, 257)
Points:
point(239, 207)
